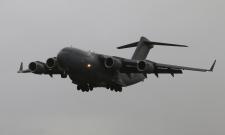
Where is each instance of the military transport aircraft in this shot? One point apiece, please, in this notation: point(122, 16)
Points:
point(88, 70)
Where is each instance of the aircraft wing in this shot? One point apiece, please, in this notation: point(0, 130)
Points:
point(38, 67)
point(21, 70)
point(174, 69)
point(150, 67)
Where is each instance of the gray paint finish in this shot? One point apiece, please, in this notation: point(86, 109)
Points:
point(192, 103)
point(90, 70)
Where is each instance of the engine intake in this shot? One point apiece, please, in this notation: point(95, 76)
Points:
point(37, 67)
point(51, 63)
point(112, 63)
point(54, 68)
point(145, 67)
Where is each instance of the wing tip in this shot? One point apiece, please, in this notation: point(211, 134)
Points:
point(21, 68)
point(185, 46)
point(213, 65)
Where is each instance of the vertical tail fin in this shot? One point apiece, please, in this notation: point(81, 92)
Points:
point(142, 49)
point(144, 46)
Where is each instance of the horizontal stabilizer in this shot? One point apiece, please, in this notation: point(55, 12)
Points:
point(165, 44)
point(128, 46)
point(150, 43)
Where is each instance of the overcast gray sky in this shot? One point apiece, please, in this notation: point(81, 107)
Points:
point(189, 104)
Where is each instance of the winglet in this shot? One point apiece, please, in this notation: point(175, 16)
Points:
point(21, 68)
point(213, 65)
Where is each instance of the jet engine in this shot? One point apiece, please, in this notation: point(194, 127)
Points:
point(37, 67)
point(54, 67)
point(112, 63)
point(51, 63)
point(145, 67)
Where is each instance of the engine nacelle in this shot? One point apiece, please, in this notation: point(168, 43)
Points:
point(145, 67)
point(112, 63)
point(51, 63)
point(54, 68)
point(37, 67)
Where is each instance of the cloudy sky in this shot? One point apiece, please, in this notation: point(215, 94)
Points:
point(189, 104)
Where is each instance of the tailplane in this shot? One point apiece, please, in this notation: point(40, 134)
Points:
point(144, 46)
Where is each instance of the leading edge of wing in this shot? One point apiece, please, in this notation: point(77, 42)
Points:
point(159, 65)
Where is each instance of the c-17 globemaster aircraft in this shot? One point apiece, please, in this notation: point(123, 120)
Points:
point(89, 70)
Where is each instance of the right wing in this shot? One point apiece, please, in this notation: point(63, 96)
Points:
point(51, 67)
point(21, 69)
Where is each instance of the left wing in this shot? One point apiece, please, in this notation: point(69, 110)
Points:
point(175, 67)
point(146, 67)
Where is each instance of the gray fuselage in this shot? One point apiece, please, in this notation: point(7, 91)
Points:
point(88, 68)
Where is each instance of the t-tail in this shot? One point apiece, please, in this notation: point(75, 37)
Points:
point(144, 46)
